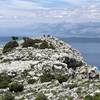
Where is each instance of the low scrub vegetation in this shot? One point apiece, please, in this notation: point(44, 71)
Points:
point(45, 45)
point(14, 38)
point(72, 63)
point(71, 86)
point(31, 81)
point(41, 96)
point(28, 42)
point(16, 87)
point(95, 97)
point(46, 77)
point(61, 78)
point(10, 46)
point(4, 80)
point(8, 96)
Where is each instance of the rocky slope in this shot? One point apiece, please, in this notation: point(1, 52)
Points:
point(59, 73)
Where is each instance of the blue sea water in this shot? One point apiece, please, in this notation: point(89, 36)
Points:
point(89, 48)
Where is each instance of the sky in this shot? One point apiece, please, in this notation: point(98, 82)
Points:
point(22, 13)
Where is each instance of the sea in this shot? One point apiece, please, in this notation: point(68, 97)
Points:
point(88, 47)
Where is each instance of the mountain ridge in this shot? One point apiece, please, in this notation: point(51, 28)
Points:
point(46, 67)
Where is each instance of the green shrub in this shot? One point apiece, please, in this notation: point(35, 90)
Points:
point(51, 46)
point(31, 81)
point(10, 46)
point(88, 97)
point(28, 42)
point(8, 96)
point(4, 80)
point(44, 45)
point(14, 38)
point(72, 62)
point(46, 77)
point(16, 87)
point(71, 86)
point(41, 96)
point(97, 96)
point(24, 73)
point(69, 98)
point(62, 78)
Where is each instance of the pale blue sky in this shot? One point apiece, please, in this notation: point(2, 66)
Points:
point(29, 4)
point(23, 13)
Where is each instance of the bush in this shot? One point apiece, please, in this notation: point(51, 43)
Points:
point(62, 78)
point(71, 86)
point(28, 42)
point(8, 96)
point(24, 73)
point(31, 81)
point(88, 97)
point(46, 77)
point(4, 81)
point(41, 96)
point(69, 98)
point(16, 87)
point(14, 38)
point(97, 96)
point(72, 62)
point(51, 46)
point(10, 46)
point(44, 45)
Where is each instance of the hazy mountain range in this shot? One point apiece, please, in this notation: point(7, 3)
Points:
point(89, 29)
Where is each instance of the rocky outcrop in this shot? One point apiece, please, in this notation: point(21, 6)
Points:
point(58, 72)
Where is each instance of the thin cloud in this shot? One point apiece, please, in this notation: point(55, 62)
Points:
point(25, 12)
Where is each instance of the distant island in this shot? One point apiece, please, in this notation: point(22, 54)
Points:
point(46, 68)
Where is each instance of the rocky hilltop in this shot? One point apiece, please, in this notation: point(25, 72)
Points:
point(46, 68)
